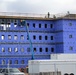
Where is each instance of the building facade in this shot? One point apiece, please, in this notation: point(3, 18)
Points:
point(48, 35)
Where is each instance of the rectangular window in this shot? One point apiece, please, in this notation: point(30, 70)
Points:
point(10, 61)
point(52, 38)
point(15, 24)
point(15, 37)
point(40, 49)
point(70, 24)
point(34, 49)
point(39, 25)
point(51, 25)
point(46, 37)
point(34, 37)
point(9, 49)
point(2, 22)
point(40, 37)
point(71, 48)
point(9, 37)
point(52, 49)
point(28, 49)
point(22, 62)
point(22, 37)
point(16, 49)
point(22, 49)
point(3, 49)
point(70, 36)
point(8, 26)
point(34, 25)
point(3, 62)
point(7, 21)
point(15, 20)
point(28, 24)
point(2, 37)
point(46, 49)
point(45, 25)
point(16, 61)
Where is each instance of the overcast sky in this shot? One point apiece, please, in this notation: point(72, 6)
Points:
point(38, 6)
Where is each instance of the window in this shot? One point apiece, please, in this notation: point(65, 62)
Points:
point(8, 26)
point(45, 25)
point(2, 37)
point(22, 49)
point(2, 21)
point(70, 36)
point(51, 25)
point(10, 61)
point(39, 25)
point(9, 37)
point(46, 37)
point(15, 37)
point(12, 20)
point(16, 61)
point(40, 49)
point(15, 20)
point(3, 50)
point(34, 37)
point(27, 37)
point(8, 20)
point(70, 24)
point(34, 49)
point(15, 24)
point(71, 48)
point(46, 49)
point(3, 62)
point(16, 49)
point(28, 49)
point(22, 62)
point(52, 38)
point(34, 25)
point(40, 37)
point(9, 49)
point(52, 49)
point(28, 24)
point(22, 37)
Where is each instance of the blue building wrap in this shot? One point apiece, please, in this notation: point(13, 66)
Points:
point(48, 36)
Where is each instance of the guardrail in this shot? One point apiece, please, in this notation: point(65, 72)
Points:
point(60, 15)
point(31, 14)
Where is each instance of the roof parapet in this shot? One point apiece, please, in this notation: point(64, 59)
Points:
point(37, 16)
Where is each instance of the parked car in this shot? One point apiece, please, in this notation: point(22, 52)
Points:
point(11, 71)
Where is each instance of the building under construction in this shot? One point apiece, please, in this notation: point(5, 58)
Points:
point(48, 34)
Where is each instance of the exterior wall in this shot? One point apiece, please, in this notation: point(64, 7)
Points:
point(58, 26)
point(19, 49)
point(57, 36)
point(69, 27)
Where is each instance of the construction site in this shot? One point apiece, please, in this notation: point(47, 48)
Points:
point(27, 42)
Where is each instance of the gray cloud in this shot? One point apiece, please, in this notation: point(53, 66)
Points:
point(38, 6)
